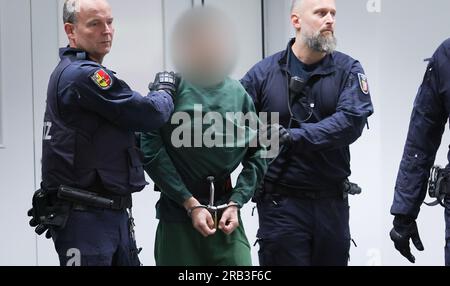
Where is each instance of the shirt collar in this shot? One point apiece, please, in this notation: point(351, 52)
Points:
point(325, 67)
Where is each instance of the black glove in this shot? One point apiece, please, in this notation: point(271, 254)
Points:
point(405, 228)
point(45, 214)
point(285, 137)
point(167, 81)
point(39, 228)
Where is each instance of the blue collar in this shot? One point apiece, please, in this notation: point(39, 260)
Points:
point(72, 52)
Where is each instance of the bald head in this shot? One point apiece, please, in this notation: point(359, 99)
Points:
point(303, 5)
point(296, 4)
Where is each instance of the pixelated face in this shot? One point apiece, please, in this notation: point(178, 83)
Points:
point(204, 48)
point(93, 30)
point(315, 17)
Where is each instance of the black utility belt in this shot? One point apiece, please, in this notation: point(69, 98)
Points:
point(83, 198)
point(273, 189)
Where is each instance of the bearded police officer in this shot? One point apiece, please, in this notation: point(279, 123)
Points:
point(323, 100)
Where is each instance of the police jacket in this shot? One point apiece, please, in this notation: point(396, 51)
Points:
point(429, 116)
point(90, 120)
point(333, 114)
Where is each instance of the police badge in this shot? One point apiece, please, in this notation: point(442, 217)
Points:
point(363, 83)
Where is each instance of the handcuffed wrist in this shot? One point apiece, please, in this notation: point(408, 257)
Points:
point(190, 210)
point(233, 204)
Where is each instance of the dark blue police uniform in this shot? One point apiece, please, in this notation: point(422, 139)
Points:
point(89, 143)
point(303, 213)
point(430, 114)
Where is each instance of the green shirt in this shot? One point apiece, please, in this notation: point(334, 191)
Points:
point(167, 162)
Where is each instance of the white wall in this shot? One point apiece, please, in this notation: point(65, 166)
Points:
point(277, 25)
point(1, 107)
point(44, 35)
point(390, 44)
point(17, 245)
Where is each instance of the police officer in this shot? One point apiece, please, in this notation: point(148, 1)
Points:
point(429, 116)
point(90, 165)
point(323, 101)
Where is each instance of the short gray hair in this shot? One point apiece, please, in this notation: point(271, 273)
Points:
point(70, 10)
point(295, 4)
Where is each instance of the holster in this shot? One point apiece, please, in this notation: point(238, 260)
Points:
point(49, 211)
point(439, 183)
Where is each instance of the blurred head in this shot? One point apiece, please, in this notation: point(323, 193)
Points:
point(88, 25)
point(314, 22)
point(204, 47)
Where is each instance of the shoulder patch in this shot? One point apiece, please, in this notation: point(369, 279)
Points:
point(363, 83)
point(102, 79)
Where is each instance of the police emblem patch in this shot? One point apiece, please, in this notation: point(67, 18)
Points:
point(102, 79)
point(363, 83)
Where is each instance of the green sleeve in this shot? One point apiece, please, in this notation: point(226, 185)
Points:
point(160, 168)
point(250, 178)
point(254, 168)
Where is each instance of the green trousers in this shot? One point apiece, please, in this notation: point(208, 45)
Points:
point(180, 244)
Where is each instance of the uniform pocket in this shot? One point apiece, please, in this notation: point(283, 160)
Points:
point(136, 169)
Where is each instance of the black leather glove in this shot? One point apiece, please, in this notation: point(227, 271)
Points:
point(167, 81)
point(45, 214)
point(285, 137)
point(405, 228)
point(39, 228)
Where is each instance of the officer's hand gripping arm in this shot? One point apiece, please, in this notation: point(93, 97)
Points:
point(343, 127)
point(167, 81)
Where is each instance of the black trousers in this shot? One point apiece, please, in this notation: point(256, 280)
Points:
point(303, 232)
point(96, 237)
